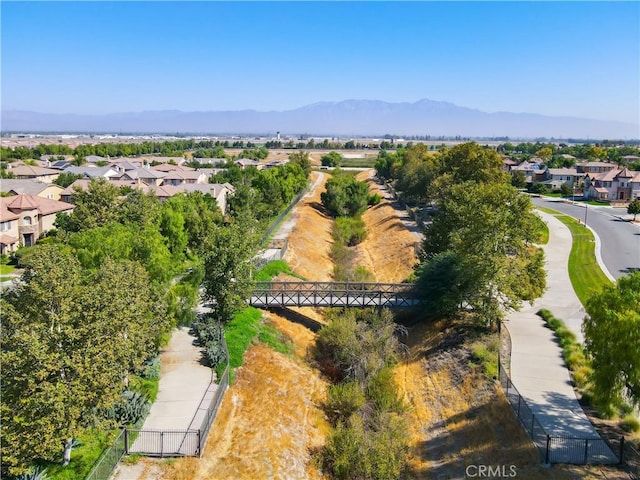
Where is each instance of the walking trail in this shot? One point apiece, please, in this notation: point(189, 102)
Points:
point(538, 370)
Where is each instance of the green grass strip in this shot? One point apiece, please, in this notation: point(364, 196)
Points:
point(586, 275)
point(6, 269)
point(240, 332)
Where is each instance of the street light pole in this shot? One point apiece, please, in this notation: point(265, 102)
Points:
point(586, 210)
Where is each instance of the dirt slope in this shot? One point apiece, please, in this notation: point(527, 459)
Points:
point(270, 419)
point(310, 242)
point(388, 251)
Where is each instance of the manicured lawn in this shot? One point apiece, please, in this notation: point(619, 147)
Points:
point(585, 273)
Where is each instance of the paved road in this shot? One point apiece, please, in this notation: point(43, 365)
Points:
point(619, 239)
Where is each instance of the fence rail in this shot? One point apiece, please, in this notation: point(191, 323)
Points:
point(559, 448)
point(107, 462)
point(163, 443)
point(166, 443)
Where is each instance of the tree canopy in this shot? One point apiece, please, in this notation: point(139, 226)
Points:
point(612, 336)
point(68, 339)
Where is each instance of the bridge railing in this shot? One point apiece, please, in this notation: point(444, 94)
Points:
point(338, 287)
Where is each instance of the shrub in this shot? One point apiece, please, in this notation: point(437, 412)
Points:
point(357, 345)
point(486, 355)
point(132, 407)
point(374, 199)
point(211, 335)
point(349, 231)
point(382, 392)
point(151, 367)
point(345, 196)
point(343, 400)
point(630, 424)
point(539, 188)
point(359, 451)
point(35, 474)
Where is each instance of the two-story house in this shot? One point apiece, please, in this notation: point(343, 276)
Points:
point(556, 177)
point(613, 185)
point(24, 218)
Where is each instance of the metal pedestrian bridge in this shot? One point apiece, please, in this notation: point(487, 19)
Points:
point(333, 294)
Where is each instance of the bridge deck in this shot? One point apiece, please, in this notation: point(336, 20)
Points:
point(333, 294)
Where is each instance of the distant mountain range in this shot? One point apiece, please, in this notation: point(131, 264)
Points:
point(349, 117)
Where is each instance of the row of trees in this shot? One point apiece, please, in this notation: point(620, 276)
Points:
point(100, 295)
point(95, 301)
point(478, 254)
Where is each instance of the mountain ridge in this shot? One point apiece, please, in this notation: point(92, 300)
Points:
point(345, 117)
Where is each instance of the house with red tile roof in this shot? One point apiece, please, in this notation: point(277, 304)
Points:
point(24, 218)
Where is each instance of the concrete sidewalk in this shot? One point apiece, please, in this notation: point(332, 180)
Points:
point(184, 382)
point(537, 367)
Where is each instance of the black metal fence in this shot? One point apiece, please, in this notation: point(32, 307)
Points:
point(166, 443)
point(559, 448)
point(212, 409)
point(105, 465)
point(163, 443)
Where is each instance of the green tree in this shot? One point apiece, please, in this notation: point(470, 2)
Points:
point(65, 179)
point(67, 343)
point(331, 159)
point(227, 268)
point(544, 153)
point(302, 159)
point(442, 283)
point(518, 179)
point(345, 196)
point(416, 174)
point(612, 336)
point(634, 208)
point(96, 206)
point(491, 230)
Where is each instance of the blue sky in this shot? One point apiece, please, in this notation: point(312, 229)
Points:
point(576, 58)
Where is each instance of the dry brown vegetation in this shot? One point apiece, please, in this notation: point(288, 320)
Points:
point(388, 251)
point(310, 242)
point(271, 418)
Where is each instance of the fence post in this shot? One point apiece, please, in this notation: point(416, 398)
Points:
point(621, 450)
point(586, 451)
point(126, 441)
point(547, 452)
point(199, 444)
point(533, 419)
point(161, 444)
point(519, 400)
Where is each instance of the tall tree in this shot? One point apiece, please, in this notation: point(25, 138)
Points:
point(490, 229)
point(95, 207)
point(67, 342)
point(302, 159)
point(227, 267)
point(612, 336)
